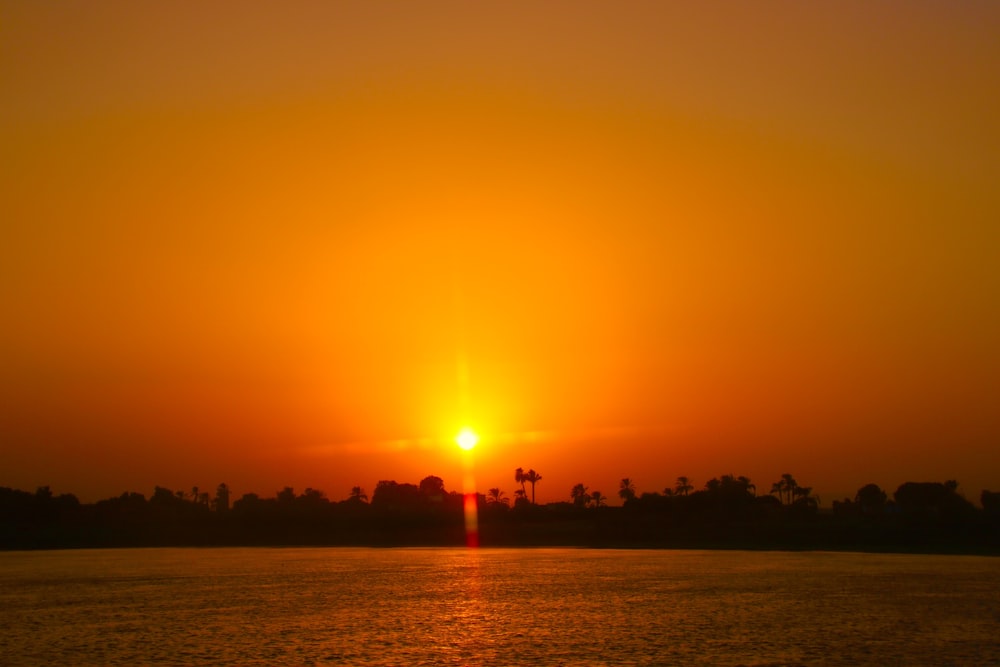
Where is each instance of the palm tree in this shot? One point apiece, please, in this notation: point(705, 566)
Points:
point(776, 490)
point(598, 498)
point(520, 479)
point(626, 489)
point(747, 485)
point(804, 495)
point(221, 502)
point(496, 497)
point(683, 485)
point(790, 485)
point(358, 495)
point(532, 477)
point(579, 495)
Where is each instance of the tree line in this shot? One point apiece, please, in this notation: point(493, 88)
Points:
point(726, 512)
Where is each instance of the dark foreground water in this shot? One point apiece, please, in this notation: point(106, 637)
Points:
point(496, 607)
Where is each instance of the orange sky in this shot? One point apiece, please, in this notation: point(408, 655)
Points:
point(304, 244)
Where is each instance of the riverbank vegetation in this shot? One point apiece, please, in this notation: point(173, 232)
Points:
point(728, 512)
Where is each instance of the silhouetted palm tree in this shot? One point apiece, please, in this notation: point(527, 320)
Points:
point(496, 496)
point(579, 495)
point(221, 502)
point(803, 494)
point(520, 479)
point(626, 489)
point(532, 477)
point(785, 488)
point(748, 486)
point(776, 490)
point(598, 498)
point(358, 495)
point(683, 485)
point(790, 485)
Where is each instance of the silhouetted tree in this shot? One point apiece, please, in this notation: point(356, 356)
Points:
point(683, 486)
point(932, 501)
point(747, 485)
point(532, 477)
point(785, 488)
point(803, 496)
point(777, 489)
point(790, 485)
point(286, 495)
point(432, 487)
point(246, 502)
point(162, 496)
point(991, 502)
point(496, 497)
point(222, 498)
point(312, 497)
point(870, 500)
point(358, 495)
point(392, 496)
point(626, 490)
point(598, 498)
point(579, 495)
point(520, 479)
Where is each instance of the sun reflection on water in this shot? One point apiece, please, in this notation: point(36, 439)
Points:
point(471, 520)
point(530, 607)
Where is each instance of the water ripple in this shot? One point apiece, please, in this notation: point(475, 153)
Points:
point(488, 607)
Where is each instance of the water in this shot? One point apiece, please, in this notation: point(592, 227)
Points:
point(495, 607)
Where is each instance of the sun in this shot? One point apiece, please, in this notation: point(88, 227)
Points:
point(466, 439)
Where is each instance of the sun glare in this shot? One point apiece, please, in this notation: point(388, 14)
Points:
point(466, 439)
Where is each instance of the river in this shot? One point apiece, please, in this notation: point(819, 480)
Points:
point(319, 606)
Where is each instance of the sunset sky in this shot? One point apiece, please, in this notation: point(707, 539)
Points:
point(304, 244)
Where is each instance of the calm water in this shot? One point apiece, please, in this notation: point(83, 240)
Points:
point(496, 607)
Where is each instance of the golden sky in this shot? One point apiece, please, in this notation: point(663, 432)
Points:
point(304, 243)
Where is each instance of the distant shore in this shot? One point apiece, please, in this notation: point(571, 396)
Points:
point(937, 522)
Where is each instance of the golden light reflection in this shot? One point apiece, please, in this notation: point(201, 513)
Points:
point(471, 519)
point(467, 440)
